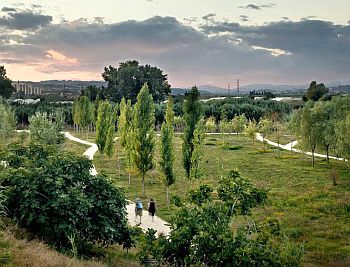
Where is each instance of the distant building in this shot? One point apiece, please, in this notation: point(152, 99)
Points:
point(27, 88)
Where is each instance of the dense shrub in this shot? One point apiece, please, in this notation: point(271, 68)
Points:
point(202, 232)
point(53, 195)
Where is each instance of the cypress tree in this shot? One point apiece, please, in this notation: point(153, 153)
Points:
point(104, 118)
point(167, 148)
point(125, 130)
point(192, 113)
point(197, 154)
point(143, 141)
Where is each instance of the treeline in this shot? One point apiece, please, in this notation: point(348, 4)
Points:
point(324, 125)
point(24, 111)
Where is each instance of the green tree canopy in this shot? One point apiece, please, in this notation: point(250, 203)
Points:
point(202, 233)
point(6, 87)
point(46, 128)
point(315, 91)
point(127, 80)
point(53, 194)
point(105, 127)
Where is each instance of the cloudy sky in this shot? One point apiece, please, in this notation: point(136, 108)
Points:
point(194, 41)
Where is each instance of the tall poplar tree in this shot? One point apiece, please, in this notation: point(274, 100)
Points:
point(103, 124)
point(143, 141)
point(167, 147)
point(76, 114)
point(309, 129)
point(85, 113)
point(192, 112)
point(125, 130)
point(197, 154)
point(250, 131)
point(111, 130)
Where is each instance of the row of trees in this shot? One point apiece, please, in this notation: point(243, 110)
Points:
point(136, 136)
point(324, 125)
point(136, 133)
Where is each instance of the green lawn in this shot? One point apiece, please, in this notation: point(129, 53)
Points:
point(312, 211)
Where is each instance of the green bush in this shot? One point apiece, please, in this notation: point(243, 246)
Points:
point(202, 234)
point(54, 196)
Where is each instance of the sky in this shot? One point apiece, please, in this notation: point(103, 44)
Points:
point(193, 41)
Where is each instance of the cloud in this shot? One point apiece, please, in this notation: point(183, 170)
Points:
point(209, 16)
point(282, 51)
point(8, 9)
point(257, 7)
point(314, 44)
point(244, 18)
point(60, 57)
point(190, 20)
point(24, 20)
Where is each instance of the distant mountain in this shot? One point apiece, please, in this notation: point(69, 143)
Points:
point(205, 90)
point(182, 91)
point(340, 89)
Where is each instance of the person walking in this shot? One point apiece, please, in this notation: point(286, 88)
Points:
point(152, 208)
point(138, 209)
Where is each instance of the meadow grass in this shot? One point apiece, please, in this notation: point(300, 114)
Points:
point(311, 210)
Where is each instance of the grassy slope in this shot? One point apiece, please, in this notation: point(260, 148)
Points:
point(311, 209)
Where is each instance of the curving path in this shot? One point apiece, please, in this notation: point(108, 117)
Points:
point(291, 145)
point(158, 224)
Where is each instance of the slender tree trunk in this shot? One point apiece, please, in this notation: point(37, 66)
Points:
point(313, 157)
point(167, 196)
point(129, 179)
point(327, 148)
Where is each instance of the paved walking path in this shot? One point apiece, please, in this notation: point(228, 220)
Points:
point(290, 147)
point(158, 224)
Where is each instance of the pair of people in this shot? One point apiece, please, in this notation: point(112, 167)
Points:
point(139, 208)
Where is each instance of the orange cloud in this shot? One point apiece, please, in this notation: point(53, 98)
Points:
point(60, 57)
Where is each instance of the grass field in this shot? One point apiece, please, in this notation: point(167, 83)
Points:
point(312, 211)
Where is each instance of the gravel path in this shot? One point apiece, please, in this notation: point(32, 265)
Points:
point(158, 224)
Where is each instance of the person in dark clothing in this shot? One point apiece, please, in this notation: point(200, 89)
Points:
point(152, 208)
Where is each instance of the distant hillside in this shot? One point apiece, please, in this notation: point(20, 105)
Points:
point(341, 89)
point(182, 91)
point(66, 84)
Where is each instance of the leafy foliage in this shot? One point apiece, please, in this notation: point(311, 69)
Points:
point(197, 153)
point(128, 79)
point(202, 235)
point(143, 134)
point(53, 194)
point(192, 113)
point(315, 91)
point(167, 147)
point(105, 127)
point(323, 124)
point(7, 120)
point(250, 130)
point(46, 128)
point(6, 87)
